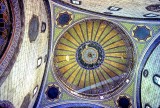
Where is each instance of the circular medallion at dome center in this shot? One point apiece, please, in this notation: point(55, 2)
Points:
point(90, 55)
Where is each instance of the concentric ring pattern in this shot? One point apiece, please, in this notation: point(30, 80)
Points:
point(93, 58)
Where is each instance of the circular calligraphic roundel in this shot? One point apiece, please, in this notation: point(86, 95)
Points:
point(90, 55)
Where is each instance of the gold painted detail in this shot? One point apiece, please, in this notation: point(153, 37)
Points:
point(110, 75)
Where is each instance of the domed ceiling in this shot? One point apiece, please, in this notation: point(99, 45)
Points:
point(79, 53)
point(5, 27)
point(10, 36)
point(120, 8)
point(94, 57)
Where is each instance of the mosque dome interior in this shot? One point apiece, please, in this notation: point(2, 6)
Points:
point(79, 54)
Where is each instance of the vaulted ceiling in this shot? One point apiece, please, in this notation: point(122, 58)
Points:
point(123, 8)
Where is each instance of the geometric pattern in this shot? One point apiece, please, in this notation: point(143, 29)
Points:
point(124, 102)
point(87, 57)
point(52, 92)
point(93, 57)
point(5, 26)
point(63, 19)
point(141, 33)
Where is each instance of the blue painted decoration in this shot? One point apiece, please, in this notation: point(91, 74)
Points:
point(123, 102)
point(63, 19)
point(90, 55)
point(141, 33)
point(77, 105)
point(150, 15)
point(53, 92)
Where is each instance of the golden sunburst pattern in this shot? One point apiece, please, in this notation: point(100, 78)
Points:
point(92, 58)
